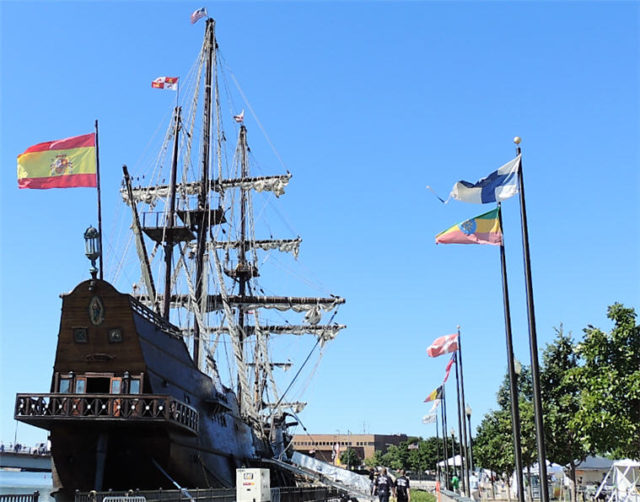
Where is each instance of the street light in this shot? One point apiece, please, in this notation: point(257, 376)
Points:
point(468, 413)
point(453, 450)
point(92, 248)
point(517, 367)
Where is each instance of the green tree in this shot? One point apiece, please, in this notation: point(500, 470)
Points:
point(396, 456)
point(493, 445)
point(350, 458)
point(375, 460)
point(608, 419)
point(425, 456)
point(561, 402)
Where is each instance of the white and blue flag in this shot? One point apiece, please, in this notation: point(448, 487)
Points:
point(496, 187)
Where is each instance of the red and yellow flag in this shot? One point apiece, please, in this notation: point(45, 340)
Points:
point(64, 163)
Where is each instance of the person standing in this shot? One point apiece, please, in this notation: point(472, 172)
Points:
point(455, 482)
point(401, 488)
point(384, 484)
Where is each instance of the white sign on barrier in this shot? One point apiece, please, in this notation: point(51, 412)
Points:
point(125, 499)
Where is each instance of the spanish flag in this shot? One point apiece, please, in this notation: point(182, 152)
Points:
point(64, 163)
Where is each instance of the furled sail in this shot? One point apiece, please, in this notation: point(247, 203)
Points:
point(149, 195)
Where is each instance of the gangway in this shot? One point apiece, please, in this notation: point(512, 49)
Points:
point(355, 485)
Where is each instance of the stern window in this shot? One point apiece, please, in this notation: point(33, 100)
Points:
point(65, 385)
point(134, 386)
point(116, 385)
point(81, 385)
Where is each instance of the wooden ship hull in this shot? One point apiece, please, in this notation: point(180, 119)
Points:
point(128, 408)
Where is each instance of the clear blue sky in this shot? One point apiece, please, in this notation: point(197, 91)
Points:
point(366, 103)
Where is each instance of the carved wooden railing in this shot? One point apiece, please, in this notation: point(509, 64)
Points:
point(40, 409)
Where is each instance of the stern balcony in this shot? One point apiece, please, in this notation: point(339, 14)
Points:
point(48, 410)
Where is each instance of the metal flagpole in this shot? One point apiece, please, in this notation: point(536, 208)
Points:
point(533, 341)
point(99, 205)
point(437, 451)
point(443, 403)
point(513, 384)
point(463, 407)
point(459, 397)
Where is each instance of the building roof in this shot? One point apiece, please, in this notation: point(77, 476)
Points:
point(595, 464)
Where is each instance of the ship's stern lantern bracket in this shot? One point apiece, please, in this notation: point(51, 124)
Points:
point(92, 249)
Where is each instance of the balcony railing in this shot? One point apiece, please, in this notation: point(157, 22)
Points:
point(44, 409)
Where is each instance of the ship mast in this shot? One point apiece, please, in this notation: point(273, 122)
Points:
point(203, 216)
point(169, 241)
point(242, 269)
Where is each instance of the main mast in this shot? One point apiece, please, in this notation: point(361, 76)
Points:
point(203, 216)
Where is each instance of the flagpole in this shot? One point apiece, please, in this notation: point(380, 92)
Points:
point(437, 450)
point(513, 384)
point(533, 339)
point(444, 439)
point(463, 407)
point(99, 205)
point(458, 397)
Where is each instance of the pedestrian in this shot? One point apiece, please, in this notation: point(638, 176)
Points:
point(383, 485)
point(474, 487)
point(455, 482)
point(372, 477)
point(401, 488)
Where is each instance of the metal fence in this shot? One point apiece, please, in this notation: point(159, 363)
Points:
point(29, 497)
point(287, 494)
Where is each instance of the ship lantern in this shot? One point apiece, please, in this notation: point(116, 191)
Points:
point(92, 248)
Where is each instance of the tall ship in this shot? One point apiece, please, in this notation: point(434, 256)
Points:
point(179, 382)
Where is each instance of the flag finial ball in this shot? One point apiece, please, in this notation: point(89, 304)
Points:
point(517, 140)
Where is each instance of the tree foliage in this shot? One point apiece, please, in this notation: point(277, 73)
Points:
point(608, 418)
point(561, 402)
point(415, 455)
point(493, 444)
point(350, 458)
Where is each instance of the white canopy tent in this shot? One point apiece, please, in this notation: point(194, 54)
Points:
point(624, 476)
point(457, 461)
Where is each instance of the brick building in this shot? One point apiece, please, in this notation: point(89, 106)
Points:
point(365, 445)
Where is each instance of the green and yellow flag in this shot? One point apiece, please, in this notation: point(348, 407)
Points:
point(64, 163)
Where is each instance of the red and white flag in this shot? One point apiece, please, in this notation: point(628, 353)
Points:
point(198, 14)
point(170, 83)
point(240, 117)
point(443, 345)
point(448, 368)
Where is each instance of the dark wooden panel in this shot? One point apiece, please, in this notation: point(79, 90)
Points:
point(98, 354)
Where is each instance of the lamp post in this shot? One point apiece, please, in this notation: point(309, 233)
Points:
point(92, 248)
point(348, 449)
point(468, 413)
point(453, 450)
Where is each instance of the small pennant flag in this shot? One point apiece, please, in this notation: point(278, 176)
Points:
point(483, 229)
point(198, 14)
point(448, 369)
point(429, 419)
point(435, 394)
point(170, 83)
point(240, 117)
point(443, 345)
point(496, 187)
point(64, 163)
